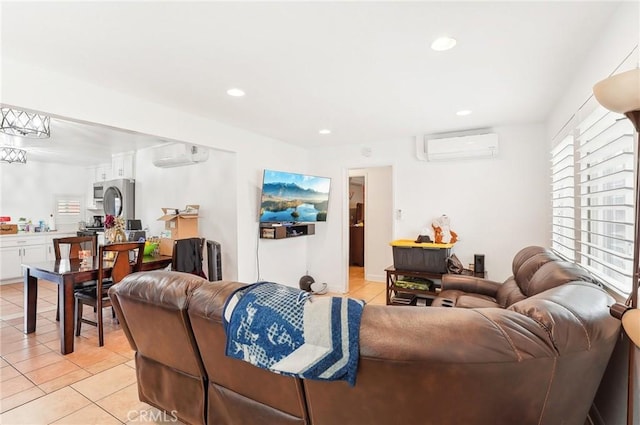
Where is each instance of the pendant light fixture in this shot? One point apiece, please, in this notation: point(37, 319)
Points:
point(10, 154)
point(24, 124)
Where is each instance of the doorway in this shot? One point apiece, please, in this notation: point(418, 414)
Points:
point(370, 225)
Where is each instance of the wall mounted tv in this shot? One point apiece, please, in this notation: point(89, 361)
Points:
point(291, 197)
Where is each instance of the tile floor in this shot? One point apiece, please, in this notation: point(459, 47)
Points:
point(92, 385)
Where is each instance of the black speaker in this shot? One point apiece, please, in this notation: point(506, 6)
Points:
point(478, 263)
point(214, 261)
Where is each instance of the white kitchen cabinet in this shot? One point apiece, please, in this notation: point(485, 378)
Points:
point(123, 165)
point(103, 172)
point(15, 250)
point(26, 248)
point(10, 260)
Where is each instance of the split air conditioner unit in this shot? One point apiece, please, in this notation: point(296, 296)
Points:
point(438, 148)
point(179, 154)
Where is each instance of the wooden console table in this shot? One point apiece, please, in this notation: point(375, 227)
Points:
point(392, 277)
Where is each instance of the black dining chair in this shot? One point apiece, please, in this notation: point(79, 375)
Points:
point(75, 244)
point(98, 297)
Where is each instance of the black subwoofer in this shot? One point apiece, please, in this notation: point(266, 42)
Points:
point(478, 263)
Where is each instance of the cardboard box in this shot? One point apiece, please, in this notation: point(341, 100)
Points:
point(8, 229)
point(178, 224)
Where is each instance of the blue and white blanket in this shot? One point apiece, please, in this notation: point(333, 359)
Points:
point(288, 331)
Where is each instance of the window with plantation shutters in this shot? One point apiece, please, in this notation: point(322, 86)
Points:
point(563, 199)
point(605, 195)
point(68, 209)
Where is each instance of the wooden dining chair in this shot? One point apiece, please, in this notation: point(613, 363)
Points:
point(75, 244)
point(120, 266)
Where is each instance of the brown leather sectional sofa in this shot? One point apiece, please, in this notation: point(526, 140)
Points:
point(537, 361)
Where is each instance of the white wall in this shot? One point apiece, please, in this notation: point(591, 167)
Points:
point(497, 206)
point(59, 95)
point(378, 228)
point(610, 47)
point(29, 190)
point(209, 184)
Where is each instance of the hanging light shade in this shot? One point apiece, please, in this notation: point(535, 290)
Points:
point(25, 124)
point(10, 154)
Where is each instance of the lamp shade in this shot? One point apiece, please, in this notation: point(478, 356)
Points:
point(620, 93)
point(631, 325)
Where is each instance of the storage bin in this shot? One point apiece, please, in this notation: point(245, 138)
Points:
point(422, 257)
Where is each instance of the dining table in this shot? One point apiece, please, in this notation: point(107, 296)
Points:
point(67, 274)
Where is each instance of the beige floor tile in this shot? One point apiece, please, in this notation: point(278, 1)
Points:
point(10, 308)
point(87, 356)
point(27, 353)
point(114, 360)
point(17, 346)
point(46, 409)
point(48, 336)
point(46, 327)
point(37, 362)
point(11, 316)
point(368, 292)
point(11, 334)
point(8, 372)
point(17, 321)
point(378, 300)
point(20, 398)
point(131, 364)
point(52, 371)
point(106, 383)
point(91, 414)
point(124, 404)
point(14, 385)
point(64, 380)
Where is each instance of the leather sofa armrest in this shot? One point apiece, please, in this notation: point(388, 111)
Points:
point(470, 284)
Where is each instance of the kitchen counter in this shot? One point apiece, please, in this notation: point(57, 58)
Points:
point(55, 233)
point(24, 247)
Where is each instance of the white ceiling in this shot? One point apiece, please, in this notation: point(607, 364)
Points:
point(362, 69)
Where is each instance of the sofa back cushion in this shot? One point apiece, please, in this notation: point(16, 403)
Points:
point(523, 255)
point(525, 264)
point(550, 275)
point(154, 307)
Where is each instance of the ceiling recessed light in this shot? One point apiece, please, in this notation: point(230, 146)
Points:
point(463, 112)
point(443, 43)
point(324, 131)
point(235, 92)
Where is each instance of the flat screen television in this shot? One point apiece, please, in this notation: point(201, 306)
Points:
point(291, 197)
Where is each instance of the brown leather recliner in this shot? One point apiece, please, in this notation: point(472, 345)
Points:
point(538, 361)
point(470, 292)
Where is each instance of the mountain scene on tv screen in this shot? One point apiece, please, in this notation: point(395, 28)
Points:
point(284, 201)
